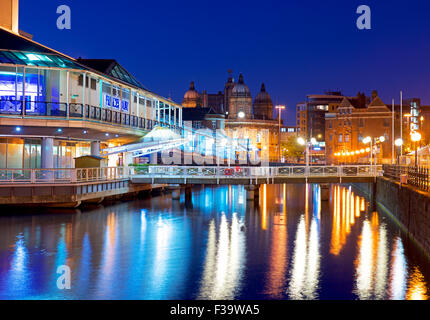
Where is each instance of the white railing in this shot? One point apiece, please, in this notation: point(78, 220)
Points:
point(77, 175)
point(258, 172)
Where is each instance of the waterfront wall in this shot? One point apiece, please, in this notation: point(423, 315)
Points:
point(409, 206)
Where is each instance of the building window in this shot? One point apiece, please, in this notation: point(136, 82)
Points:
point(386, 122)
point(340, 138)
point(330, 124)
point(361, 123)
point(93, 84)
point(331, 137)
point(347, 138)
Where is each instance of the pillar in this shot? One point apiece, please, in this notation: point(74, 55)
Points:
point(47, 157)
point(153, 158)
point(188, 192)
point(95, 148)
point(325, 192)
point(252, 192)
point(128, 159)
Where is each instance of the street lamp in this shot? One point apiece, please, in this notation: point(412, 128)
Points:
point(371, 141)
point(280, 108)
point(366, 141)
point(415, 137)
point(301, 141)
point(398, 143)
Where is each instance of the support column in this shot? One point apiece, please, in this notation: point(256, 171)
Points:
point(95, 148)
point(153, 158)
point(325, 191)
point(128, 159)
point(252, 192)
point(47, 157)
point(188, 192)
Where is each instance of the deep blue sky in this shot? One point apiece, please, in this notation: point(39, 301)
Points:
point(295, 47)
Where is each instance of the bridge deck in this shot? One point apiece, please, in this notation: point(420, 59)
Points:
point(255, 175)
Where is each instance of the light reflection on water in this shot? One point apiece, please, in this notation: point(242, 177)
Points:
point(288, 245)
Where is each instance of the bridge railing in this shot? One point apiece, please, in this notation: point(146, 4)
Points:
point(418, 177)
point(72, 175)
point(259, 172)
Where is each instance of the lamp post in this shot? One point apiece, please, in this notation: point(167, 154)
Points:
point(398, 143)
point(280, 108)
point(372, 142)
point(306, 143)
point(415, 137)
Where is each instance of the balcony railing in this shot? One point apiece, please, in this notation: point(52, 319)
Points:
point(61, 176)
point(79, 111)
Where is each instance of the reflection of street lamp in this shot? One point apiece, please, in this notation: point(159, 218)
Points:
point(415, 137)
point(398, 143)
point(280, 108)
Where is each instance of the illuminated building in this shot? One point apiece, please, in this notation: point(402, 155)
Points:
point(352, 121)
point(54, 108)
point(250, 122)
point(310, 119)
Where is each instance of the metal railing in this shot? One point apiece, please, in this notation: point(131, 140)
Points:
point(258, 172)
point(418, 177)
point(58, 176)
point(80, 111)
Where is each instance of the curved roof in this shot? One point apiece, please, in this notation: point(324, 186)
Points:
point(191, 94)
point(263, 96)
point(240, 88)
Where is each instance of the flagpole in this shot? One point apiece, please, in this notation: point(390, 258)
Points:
point(401, 121)
point(392, 134)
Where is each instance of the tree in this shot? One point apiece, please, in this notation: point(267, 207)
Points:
point(292, 149)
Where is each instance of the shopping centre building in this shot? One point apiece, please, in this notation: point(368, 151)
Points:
point(54, 108)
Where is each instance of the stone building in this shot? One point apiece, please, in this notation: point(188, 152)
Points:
point(350, 123)
point(248, 121)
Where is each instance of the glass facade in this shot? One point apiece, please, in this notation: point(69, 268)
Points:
point(34, 85)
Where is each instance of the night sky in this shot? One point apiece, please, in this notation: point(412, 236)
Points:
point(295, 47)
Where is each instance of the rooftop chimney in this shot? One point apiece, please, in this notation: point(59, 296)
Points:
point(9, 15)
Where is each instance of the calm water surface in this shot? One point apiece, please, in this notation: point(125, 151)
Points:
point(287, 245)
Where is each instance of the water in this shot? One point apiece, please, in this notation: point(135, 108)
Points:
point(219, 247)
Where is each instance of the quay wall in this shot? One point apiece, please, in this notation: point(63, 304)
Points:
point(408, 206)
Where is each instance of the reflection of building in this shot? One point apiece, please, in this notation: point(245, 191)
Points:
point(251, 122)
point(54, 108)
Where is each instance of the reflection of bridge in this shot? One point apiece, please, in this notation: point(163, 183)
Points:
point(254, 175)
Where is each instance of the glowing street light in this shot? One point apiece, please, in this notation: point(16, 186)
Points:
point(415, 137)
point(241, 114)
point(366, 141)
point(301, 141)
point(398, 143)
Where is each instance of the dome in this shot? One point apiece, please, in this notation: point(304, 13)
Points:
point(263, 106)
point(191, 97)
point(191, 93)
point(240, 88)
point(263, 96)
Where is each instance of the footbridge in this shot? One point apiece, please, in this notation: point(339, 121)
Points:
point(254, 175)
